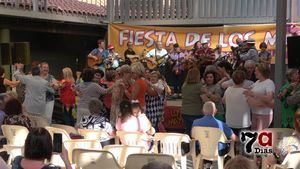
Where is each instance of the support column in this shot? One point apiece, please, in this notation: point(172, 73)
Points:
point(280, 55)
point(4, 36)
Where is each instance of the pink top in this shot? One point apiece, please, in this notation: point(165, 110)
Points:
point(134, 124)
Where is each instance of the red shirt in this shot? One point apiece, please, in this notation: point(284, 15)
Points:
point(142, 91)
point(67, 94)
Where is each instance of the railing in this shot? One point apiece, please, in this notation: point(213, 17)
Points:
point(149, 10)
point(166, 11)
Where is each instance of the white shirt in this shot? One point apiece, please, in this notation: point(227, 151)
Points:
point(263, 87)
point(155, 52)
point(238, 113)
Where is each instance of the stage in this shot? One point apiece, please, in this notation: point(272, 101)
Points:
point(172, 119)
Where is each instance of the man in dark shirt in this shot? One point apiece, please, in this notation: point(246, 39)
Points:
point(129, 51)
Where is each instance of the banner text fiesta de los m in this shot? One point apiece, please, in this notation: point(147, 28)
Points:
point(144, 37)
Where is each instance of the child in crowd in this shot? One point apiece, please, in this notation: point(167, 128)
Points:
point(67, 95)
point(133, 120)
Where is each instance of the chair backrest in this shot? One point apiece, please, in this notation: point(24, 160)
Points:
point(278, 134)
point(209, 138)
point(15, 134)
point(170, 143)
point(68, 129)
point(132, 138)
point(121, 152)
point(57, 161)
point(135, 161)
point(37, 121)
point(70, 145)
point(94, 159)
point(52, 130)
point(93, 134)
point(292, 160)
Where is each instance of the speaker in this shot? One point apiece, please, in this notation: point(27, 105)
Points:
point(5, 53)
point(293, 44)
point(21, 53)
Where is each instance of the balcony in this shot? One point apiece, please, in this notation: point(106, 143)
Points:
point(151, 12)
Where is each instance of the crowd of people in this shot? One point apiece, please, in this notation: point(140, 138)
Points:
point(232, 92)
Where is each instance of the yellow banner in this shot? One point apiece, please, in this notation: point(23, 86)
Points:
point(143, 37)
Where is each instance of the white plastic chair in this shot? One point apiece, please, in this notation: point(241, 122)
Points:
point(170, 143)
point(93, 134)
point(292, 160)
point(15, 136)
point(70, 145)
point(137, 161)
point(37, 121)
point(121, 152)
point(133, 138)
point(278, 134)
point(65, 134)
point(68, 129)
point(209, 138)
point(94, 159)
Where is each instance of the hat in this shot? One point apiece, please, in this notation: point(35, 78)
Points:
point(176, 45)
point(250, 41)
point(206, 42)
point(110, 46)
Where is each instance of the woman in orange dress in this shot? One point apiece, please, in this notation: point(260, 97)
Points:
point(140, 86)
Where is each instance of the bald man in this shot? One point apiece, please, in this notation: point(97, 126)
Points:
point(209, 110)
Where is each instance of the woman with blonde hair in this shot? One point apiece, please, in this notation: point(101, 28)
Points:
point(192, 103)
point(67, 95)
point(118, 92)
point(138, 89)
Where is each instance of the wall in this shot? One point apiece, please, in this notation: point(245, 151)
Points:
point(59, 50)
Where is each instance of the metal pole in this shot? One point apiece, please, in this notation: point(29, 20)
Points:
point(280, 55)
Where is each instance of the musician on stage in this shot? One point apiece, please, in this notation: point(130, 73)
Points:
point(112, 60)
point(264, 56)
point(160, 54)
point(176, 63)
point(129, 51)
point(99, 54)
point(218, 52)
point(252, 53)
point(205, 55)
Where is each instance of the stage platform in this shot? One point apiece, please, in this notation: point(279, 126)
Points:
point(172, 118)
point(176, 102)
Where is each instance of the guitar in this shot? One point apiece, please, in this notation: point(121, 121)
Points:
point(153, 62)
point(94, 61)
point(150, 62)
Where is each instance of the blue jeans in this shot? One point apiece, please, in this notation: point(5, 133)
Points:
point(188, 122)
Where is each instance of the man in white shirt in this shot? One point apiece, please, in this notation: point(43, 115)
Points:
point(158, 51)
point(161, 56)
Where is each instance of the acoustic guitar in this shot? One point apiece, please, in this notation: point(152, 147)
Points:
point(153, 62)
point(94, 61)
